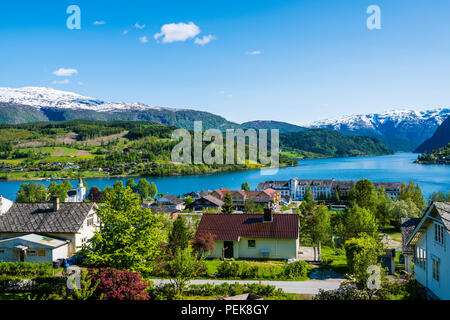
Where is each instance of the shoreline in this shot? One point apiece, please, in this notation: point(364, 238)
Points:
point(145, 176)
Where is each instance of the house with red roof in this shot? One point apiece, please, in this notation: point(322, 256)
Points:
point(265, 198)
point(252, 236)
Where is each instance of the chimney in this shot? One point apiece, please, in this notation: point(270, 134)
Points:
point(56, 204)
point(268, 215)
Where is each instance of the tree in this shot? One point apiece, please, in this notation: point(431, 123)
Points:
point(188, 201)
point(95, 194)
point(183, 267)
point(131, 184)
point(59, 190)
point(32, 192)
point(402, 209)
point(179, 235)
point(228, 206)
point(128, 237)
point(251, 207)
point(414, 193)
point(362, 252)
point(439, 196)
point(359, 220)
point(321, 226)
point(203, 243)
point(245, 186)
point(364, 195)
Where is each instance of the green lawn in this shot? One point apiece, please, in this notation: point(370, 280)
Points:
point(337, 258)
point(15, 296)
point(276, 266)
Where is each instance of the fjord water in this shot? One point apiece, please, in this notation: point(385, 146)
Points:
point(392, 168)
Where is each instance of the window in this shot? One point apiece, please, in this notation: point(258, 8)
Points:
point(252, 243)
point(90, 220)
point(421, 257)
point(41, 252)
point(31, 253)
point(83, 241)
point(436, 265)
point(439, 234)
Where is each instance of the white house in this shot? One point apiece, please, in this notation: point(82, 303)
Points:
point(71, 222)
point(78, 194)
point(33, 248)
point(170, 201)
point(431, 239)
point(5, 204)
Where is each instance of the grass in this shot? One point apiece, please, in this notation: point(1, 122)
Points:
point(15, 296)
point(338, 258)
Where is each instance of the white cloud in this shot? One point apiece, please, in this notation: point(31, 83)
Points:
point(125, 31)
point(228, 95)
point(253, 53)
point(65, 81)
point(205, 40)
point(139, 26)
point(172, 32)
point(143, 39)
point(80, 83)
point(99, 22)
point(63, 72)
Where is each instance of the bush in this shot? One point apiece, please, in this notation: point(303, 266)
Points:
point(297, 269)
point(26, 269)
point(228, 269)
point(345, 292)
point(119, 284)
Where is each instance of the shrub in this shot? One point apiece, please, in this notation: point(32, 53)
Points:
point(26, 269)
point(228, 269)
point(119, 284)
point(297, 269)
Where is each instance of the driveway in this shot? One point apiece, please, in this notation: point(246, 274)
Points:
point(299, 287)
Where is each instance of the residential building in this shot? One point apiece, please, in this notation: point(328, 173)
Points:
point(265, 198)
point(74, 222)
point(206, 202)
point(430, 240)
point(77, 195)
point(33, 248)
point(252, 236)
point(171, 202)
point(324, 188)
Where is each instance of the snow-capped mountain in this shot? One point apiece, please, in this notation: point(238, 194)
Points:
point(39, 97)
point(399, 129)
point(30, 104)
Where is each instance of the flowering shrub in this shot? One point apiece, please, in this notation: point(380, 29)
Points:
point(119, 284)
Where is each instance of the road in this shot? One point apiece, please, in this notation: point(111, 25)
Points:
point(299, 287)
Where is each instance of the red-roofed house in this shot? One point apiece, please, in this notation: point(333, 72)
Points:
point(252, 236)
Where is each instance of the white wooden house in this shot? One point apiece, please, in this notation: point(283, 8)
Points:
point(74, 223)
point(430, 240)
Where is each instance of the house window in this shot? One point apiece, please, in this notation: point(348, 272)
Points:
point(436, 265)
point(31, 253)
point(83, 241)
point(421, 258)
point(439, 235)
point(90, 220)
point(252, 243)
point(41, 252)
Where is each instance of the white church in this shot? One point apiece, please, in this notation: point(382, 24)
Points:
point(78, 194)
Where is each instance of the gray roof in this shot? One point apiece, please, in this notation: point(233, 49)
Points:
point(272, 185)
point(214, 200)
point(444, 211)
point(40, 217)
point(408, 226)
point(172, 199)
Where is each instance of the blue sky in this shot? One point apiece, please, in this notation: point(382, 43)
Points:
point(295, 61)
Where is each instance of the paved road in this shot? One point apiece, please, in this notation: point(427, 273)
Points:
point(300, 287)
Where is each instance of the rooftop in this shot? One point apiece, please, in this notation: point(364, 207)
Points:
point(231, 227)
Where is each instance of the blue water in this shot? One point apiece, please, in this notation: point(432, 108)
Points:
point(392, 168)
